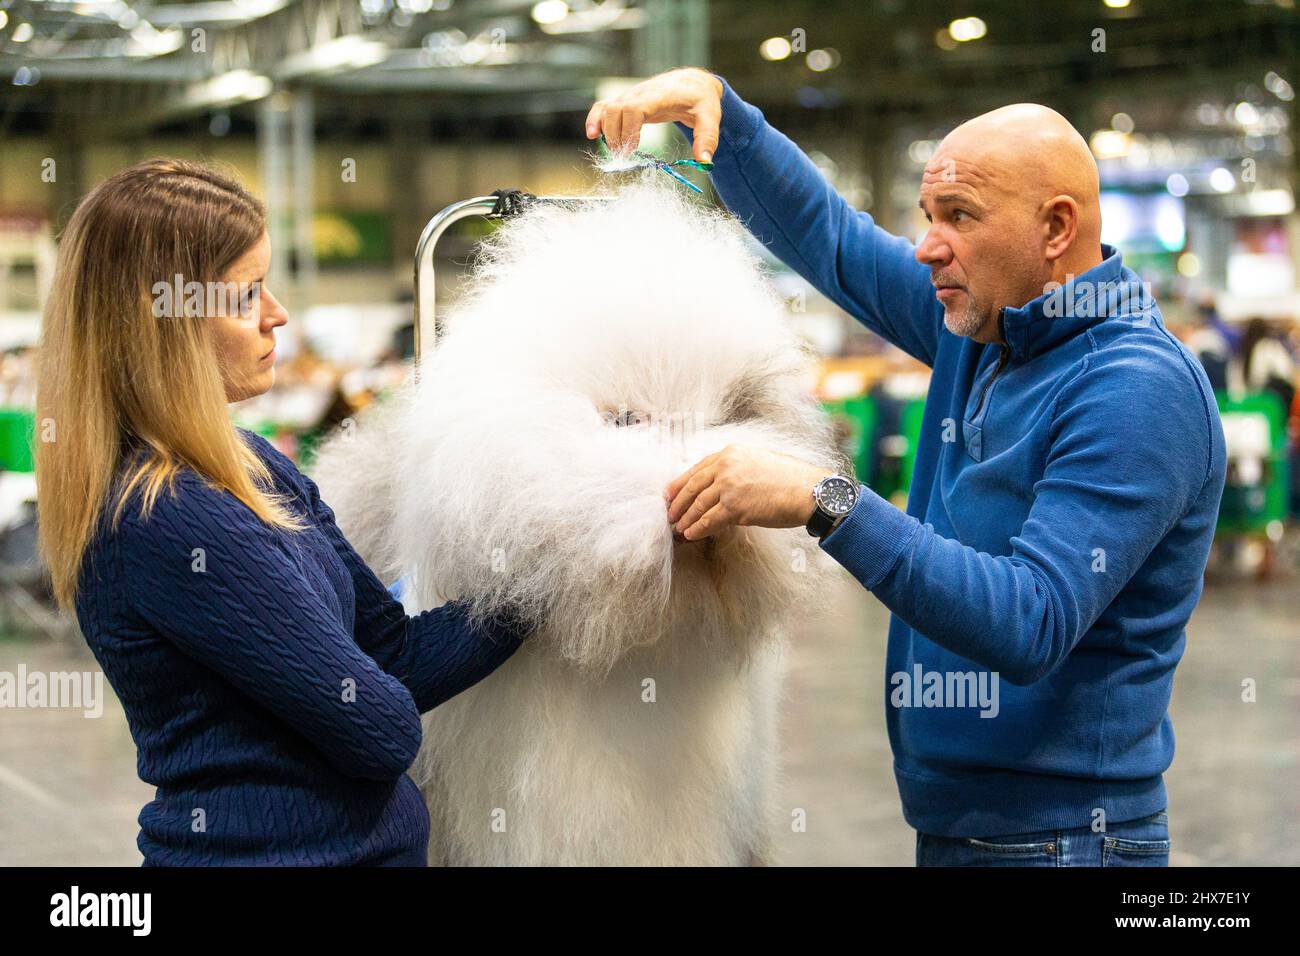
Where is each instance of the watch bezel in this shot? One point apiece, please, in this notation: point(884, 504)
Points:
point(819, 488)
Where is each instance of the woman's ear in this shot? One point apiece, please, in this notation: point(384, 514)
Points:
point(1061, 225)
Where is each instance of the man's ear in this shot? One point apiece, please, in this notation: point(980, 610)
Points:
point(1060, 217)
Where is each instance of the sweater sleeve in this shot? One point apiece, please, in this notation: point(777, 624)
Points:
point(1131, 448)
point(436, 654)
point(230, 592)
point(785, 201)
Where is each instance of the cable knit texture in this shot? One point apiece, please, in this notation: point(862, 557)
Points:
point(273, 686)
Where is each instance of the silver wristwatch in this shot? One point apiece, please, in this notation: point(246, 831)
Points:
point(833, 498)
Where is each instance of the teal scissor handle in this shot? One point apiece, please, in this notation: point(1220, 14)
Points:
point(648, 160)
point(666, 167)
point(692, 162)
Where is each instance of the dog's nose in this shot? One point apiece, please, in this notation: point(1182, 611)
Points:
point(624, 417)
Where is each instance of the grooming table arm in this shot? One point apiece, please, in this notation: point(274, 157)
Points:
point(426, 320)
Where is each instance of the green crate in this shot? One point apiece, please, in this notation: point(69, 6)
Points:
point(17, 430)
point(857, 416)
point(913, 414)
point(1252, 509)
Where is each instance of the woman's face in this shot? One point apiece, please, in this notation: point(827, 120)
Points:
point(245, 334)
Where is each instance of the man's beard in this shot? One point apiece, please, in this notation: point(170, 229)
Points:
point(966, 321)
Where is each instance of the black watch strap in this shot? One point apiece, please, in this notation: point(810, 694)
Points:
point(821, 523)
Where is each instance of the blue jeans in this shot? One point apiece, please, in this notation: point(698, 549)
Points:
point(1143, 842)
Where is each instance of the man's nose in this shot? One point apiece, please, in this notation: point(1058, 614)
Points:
point(933, 251)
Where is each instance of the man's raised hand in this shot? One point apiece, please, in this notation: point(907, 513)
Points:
point(690, 95)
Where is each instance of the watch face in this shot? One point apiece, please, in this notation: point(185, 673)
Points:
point(837, 495)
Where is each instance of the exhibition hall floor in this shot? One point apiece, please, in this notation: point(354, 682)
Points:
point(69, 793)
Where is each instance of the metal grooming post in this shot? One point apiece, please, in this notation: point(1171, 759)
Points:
point(491, 207)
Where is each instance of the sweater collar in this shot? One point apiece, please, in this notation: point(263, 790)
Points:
point(1106, 290)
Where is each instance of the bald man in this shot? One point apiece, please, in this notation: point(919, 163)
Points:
point(1065, 491)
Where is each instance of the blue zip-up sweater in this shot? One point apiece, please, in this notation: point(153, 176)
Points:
point(272, 685)
point(1062, 506)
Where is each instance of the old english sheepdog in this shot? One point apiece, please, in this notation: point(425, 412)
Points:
point(597, 353)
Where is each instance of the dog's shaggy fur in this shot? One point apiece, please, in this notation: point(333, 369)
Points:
point(598, 354)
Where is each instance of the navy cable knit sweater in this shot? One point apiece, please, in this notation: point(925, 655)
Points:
point(272, 684)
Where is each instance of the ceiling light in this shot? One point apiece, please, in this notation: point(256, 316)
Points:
point(550, 11)
point(1221, 181)
point(819, 61)
point(967, 28)
point(774, 48)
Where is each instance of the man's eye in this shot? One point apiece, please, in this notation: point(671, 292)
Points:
point(959, 214)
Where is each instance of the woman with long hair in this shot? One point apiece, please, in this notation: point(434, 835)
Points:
point(272, 685)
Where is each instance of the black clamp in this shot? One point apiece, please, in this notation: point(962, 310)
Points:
point(510, 202)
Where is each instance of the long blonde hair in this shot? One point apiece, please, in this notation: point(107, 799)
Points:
point(109, 369)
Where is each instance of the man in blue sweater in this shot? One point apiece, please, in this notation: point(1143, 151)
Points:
point(1066, 486)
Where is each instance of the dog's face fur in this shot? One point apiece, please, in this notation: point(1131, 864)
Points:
point(598, 354)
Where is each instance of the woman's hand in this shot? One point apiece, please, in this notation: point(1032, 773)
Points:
point(691, 96)
point(742, 486)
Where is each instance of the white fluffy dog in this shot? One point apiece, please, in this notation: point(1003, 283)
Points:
point(598, 353)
